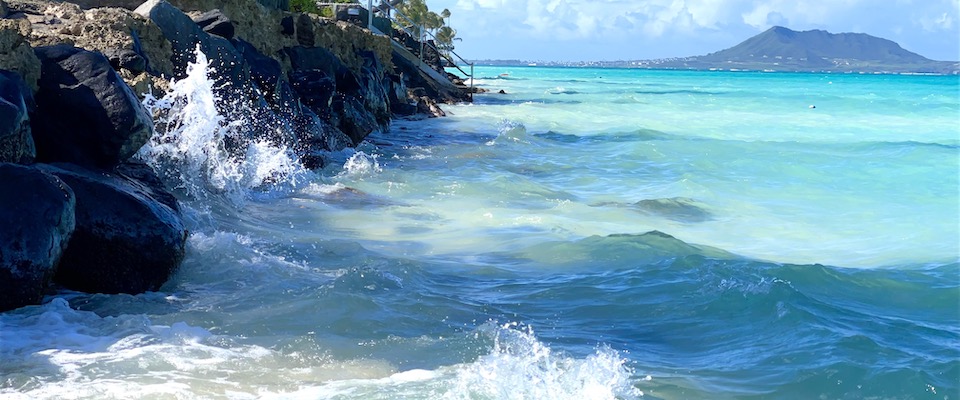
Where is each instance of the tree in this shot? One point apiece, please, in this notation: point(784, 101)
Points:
point(445, 37)
point(421, 16)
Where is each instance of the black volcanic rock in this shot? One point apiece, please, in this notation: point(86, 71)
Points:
point(85, 112)
point(129, 235)
point(37, 220)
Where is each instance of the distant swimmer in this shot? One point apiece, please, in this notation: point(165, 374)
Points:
point(813, 106)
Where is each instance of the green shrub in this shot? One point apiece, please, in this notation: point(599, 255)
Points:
point(304, 6)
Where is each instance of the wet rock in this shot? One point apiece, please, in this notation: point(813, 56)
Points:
point(215, 23)
point(4, 11)
point(16, 140)
point(315, 137)
point(37, 216)
point(315, 88)
point(85, 112)
point(374, 87)
point(129, 235)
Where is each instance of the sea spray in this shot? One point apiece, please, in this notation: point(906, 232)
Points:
point(521, 367)
point(199, 151)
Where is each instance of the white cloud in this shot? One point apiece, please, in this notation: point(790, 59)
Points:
point(695, 21)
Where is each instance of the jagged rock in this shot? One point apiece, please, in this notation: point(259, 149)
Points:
point(374, 85)
point(185, 35)
point(352, 118)
point(16, 140)
point(215, 23)
point(265, 72)
point(15, 53)
point(304, 28)
point(85, 113)
point(99, 29)
point(37, 216)
point(347, 41)
point(316, 136)
point(357, 105)
point(315, 88)
point(129, 235)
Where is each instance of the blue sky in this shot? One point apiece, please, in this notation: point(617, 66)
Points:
point(580, 30)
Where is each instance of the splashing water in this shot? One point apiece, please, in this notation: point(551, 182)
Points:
point(200, 152)
point(510, 131)
point(361, 164)
point(522, 367)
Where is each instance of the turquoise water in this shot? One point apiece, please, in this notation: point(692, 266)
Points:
point(591, 234)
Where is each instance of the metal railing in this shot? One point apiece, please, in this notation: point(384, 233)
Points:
point(422, 37)
point(385, 9)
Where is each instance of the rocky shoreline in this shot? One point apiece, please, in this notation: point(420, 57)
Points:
point(77, 210)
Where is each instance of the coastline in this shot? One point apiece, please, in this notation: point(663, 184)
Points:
point(299, 81)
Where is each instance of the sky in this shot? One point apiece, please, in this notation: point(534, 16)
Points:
point(607, 30)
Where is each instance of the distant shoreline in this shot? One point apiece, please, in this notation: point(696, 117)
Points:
point(605, 65)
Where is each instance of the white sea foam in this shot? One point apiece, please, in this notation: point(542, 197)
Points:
point(361, 164)
point(199, 151)
point(518, 366)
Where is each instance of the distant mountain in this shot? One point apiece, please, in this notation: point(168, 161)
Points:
point(783, 49)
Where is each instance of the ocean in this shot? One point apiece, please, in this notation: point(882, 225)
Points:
point(589, 234)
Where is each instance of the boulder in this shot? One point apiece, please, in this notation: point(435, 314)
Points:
point(16, 141)
point(215, 23)
point(85, 112)
point(316, 137)
point(185, 36)
point(37, 216)
point(315, 89)
point(15, 53)
point(129, 235)
point(352, 118)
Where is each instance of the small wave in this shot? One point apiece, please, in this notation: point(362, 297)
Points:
point(561, 90)
point(361, 164)
point(510, 131)
point(617, 251)
point(618, 137)
point(516, 366)
point(679, 91)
